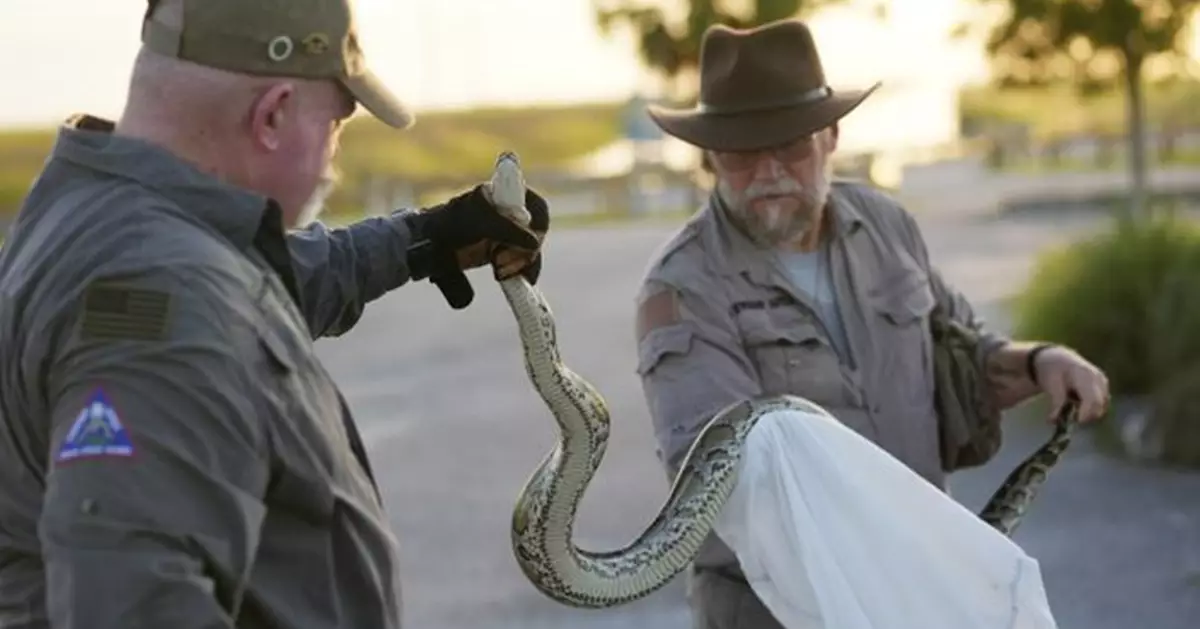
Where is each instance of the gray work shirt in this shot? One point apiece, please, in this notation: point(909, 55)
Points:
point(720, 320)
point(173, 454)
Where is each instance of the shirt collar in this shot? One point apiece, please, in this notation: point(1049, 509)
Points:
point(89, 142)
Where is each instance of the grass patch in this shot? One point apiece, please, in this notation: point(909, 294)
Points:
point(567, 221)
point(1073, 164)
point(442, 145)
point(464, 144)
point(1180, 204)
point(461, 145)
point(1060, 110)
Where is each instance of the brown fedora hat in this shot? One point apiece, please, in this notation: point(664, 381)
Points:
point(759, 88)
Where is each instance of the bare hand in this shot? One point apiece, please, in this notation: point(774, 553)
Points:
point(1061, 370)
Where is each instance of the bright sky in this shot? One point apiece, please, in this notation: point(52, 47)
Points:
point(73, 55)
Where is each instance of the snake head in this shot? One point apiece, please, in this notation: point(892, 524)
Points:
point(508, 156)
point(507, 188)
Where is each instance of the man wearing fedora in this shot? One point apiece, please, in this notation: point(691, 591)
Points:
point(788, 282)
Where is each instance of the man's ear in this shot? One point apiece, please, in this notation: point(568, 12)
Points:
point(269, 115)
point(833, 137)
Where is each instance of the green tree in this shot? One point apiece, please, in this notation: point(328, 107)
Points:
point(669, 40)
point(1096, 45)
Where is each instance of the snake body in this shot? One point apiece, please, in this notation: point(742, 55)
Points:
point(543, 517)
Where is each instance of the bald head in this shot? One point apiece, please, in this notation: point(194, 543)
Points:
point(163, 86)
point(186, 97)
point(272, 135)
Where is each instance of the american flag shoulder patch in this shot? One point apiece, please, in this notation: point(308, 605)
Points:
point(122, 313)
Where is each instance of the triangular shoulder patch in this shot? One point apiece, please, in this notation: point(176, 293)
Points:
point(97, 432)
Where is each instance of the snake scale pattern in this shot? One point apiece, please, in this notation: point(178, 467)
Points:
point(543, 517)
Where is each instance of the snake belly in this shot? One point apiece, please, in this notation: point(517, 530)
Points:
point(544, 514)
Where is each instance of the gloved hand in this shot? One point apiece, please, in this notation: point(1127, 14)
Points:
point(468, 232)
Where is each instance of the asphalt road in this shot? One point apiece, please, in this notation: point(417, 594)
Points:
point(455, 428)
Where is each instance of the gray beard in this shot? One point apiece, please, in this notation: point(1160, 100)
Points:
point(770, 227)
point(316, 203)
point(773, 226)
point(772, 231)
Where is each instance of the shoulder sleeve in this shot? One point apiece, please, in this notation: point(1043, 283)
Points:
point(690, 360)
point(158, 454)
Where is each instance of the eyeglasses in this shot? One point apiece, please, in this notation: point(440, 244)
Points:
point(795, 151)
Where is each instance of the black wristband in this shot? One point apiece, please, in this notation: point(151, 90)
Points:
point(421, 255)
point(420, 259)
point(1031, 360)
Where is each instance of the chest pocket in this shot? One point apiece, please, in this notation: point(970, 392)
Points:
point(903, 347)
point(792, 355)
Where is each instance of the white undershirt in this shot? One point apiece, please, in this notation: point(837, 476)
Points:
point(810, 273)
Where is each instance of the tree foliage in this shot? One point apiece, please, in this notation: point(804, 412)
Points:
point(1088, 42)
point(670, 44)
point(1093, 44)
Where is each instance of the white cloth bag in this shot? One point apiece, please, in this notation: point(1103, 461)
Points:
point(835, 533)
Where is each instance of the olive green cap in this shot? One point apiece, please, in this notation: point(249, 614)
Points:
point(309, 39)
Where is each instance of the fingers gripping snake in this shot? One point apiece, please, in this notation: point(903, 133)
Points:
point(543, 517)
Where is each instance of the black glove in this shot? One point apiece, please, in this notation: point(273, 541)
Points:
point(467, 232)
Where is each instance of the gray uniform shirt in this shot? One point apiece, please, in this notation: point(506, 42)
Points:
point(720, 320)
point(172, 452)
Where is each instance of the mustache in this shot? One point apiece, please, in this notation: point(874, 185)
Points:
point(785, 187)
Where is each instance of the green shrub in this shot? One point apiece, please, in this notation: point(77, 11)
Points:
point(1176, 431)
point(1128, 300)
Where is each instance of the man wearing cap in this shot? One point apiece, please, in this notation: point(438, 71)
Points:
point(788, 282)
point(173, 455)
